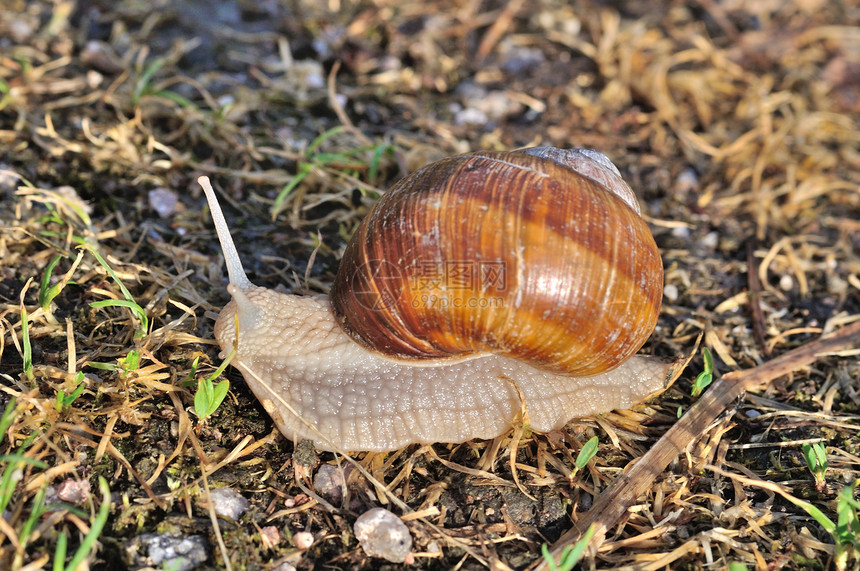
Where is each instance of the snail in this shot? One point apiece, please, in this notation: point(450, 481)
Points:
point(481, 290)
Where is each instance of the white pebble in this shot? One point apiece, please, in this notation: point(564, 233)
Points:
point(710, 240)
point(682, 232)
point(433, 547)
point(164, 201)
point(670, 291)
point(227, 502)
point(688, 180)
point(786, 282)
point(383, 534)
point(303, 540)
point(470, 116)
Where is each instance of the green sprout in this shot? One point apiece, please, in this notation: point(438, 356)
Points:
point(46, 292)
point(209, 396)
point(144, 87)
point(845, 531)
point(585, 454)
point(26, 348)
point(130, 362)
point(571, 555)
point(9, 414)
point(706, 376)
point(124, 365)
point(816, 459)
point(64, 401)
point(136, 309)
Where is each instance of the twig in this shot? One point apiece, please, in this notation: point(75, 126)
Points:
point(498, 28)
point(623, 492)
point(755, 299)
point(338, 108)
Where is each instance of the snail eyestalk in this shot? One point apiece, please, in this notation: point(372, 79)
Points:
point(231, 256)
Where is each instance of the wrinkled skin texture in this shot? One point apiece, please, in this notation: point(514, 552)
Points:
point(294, 355)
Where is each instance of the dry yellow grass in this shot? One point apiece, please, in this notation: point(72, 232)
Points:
point(736, 123)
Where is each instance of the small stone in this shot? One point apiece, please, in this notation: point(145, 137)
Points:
point(8, 178)
point(164, 201)
point(102, 57)
point(303, 540)
point(710, 240)
point(521, 59)
point(73, 491)
point(682, 232)
point(166, 552)
point(470, 116)
point(19, 29)
point(270, 536)
point(383, 534)
point(229, 503)
point(671, 292)
point(329, 480)
point(687, 181)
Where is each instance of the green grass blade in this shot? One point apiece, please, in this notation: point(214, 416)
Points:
point(60, 552)
point(9, 414)
point(144, 83)
point(25, 345)
point(586, 454)
point(304, 170)
point(126, 294)
point(95, 529)
point(315, 144)
point(578, 549)
point(376, 160)
point(47, 293)
point(135, 308)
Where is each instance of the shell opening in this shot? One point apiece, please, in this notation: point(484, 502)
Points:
point(591, 164)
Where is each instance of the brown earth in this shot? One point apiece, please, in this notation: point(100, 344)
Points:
point(736, 123)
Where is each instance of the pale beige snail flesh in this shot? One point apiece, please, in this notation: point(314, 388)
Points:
point(574, 293)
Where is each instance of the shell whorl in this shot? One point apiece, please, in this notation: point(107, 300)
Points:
point(539, 255)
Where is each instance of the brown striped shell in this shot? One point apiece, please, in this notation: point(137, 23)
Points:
point(538, 254)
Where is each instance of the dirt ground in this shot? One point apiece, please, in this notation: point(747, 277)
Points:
point(736, 123)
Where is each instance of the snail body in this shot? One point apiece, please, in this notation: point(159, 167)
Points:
point(478, 287)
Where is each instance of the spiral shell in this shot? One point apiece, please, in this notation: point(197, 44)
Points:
point(539, 255)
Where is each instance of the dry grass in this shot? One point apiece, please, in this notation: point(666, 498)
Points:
point(736, 122)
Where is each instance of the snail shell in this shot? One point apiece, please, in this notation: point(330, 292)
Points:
point(512, 253)
point(478, 287)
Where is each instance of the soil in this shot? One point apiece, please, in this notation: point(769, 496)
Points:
point(736, 124)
